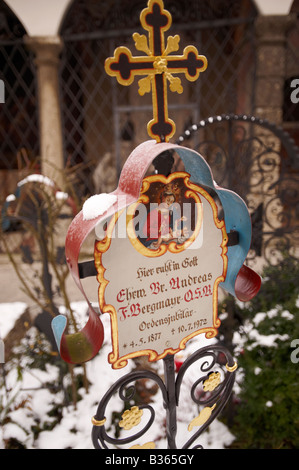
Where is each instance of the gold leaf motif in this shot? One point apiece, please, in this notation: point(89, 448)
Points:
point(97, 422)
point(231, 368)
point(212, 382)
point(148, 445)
point(202, 417)
point(160, 65)
point(175, 83)
point(141, 43)
point(144, 85)
point(172, 44)
point(131, 418)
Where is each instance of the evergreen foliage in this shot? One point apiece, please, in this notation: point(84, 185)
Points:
point(267, 416)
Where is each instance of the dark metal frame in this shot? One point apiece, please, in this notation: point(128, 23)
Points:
point(212, 357)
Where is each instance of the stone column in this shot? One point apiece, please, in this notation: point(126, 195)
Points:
point(47, 51)
point(271, 37)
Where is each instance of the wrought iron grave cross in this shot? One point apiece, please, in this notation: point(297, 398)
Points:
point(157, 66)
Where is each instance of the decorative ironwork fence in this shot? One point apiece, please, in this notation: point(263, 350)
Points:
point(260, 162)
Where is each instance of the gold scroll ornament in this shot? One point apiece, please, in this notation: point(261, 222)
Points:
point(202, 418)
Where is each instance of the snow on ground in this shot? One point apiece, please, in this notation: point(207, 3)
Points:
point(9, 313)
point(74, 429)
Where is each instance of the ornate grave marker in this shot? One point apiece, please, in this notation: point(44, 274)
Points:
point(164, 245)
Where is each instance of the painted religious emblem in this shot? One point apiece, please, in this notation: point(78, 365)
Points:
point(158, 66)
point(173, 253)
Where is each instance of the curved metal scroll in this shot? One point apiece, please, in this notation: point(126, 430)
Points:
point(214, 357)
point(215, 362)
point(99, 433)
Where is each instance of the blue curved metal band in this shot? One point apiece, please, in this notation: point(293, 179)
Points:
point(58, 326)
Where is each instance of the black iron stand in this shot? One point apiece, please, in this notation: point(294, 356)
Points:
point(215, 379)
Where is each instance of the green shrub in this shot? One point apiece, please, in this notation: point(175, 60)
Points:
point(268, 380)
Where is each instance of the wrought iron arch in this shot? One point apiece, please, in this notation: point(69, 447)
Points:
point(268, 161)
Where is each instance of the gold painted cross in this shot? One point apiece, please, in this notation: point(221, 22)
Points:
point(157, 66)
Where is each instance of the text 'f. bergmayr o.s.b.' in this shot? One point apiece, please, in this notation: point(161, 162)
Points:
point(164, 245)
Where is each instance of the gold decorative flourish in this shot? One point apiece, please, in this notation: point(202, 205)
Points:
point(212, 382)
point(160, 65)
point(231, 368)
point(144, 85)
point(175, 83)
point(202, 417)
point(141, 43)
point(148, 445)
point(97, 422)
point(131, 418)
point(172, 44)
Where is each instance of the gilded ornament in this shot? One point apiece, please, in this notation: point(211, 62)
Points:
point(160, 65)
point(131, 418)
point(144, 85)
point(172, 44)
point(141, 43)
point(212, 382)
point(147, 445)
point(202, 418)
point(175, 83)
point(97, 422)
point(231, 368)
